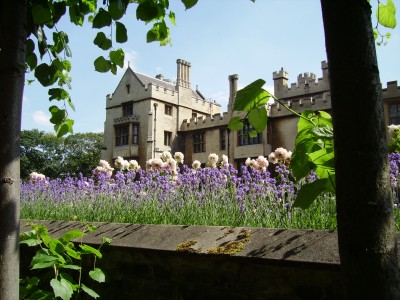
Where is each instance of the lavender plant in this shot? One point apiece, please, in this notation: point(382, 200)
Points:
point(214, 195)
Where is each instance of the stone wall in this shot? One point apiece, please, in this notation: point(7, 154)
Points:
point(143, 262)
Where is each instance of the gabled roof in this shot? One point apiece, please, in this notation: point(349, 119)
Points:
point(145, 80)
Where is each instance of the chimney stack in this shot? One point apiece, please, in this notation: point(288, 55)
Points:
point(233, 79)
point(183, 73)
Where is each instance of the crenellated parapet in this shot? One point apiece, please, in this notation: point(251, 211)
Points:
point(307, 83)
point(205, 122)
point(391, 91)
point(321, 102)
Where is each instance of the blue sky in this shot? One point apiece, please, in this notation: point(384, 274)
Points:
point(219, 38)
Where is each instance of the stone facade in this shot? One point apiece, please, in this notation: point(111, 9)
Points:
point(144, 114)
point(171, 116)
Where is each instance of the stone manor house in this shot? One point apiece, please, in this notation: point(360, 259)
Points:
point(147, 115)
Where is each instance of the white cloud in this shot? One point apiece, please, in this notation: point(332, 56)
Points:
point(98, 130)
point(130, 57)
point(40, 118)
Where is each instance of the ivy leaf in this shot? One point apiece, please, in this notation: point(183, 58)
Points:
point(61, 288)
point(117, 57)
point(41, 14)
point(309, 192)
point(115, 10)
point(102, 41)
point(235, 123)
point(113, 68)
point(102, 19)
point(386, 14)
point(121, 33)
point(252, 96)
point(189, 3)
point(258, 118)
point(98, 275)
point(147, 11)
point(90, 292)
point(102, 65)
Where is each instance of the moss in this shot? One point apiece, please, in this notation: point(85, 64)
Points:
point(228, 248)
point(187, 247)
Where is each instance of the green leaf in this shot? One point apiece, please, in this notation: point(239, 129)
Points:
point(64, 128)
point(57, 115)
point(322, 156)
point(72, 253)
point(102, 41)
point(90, 292)
point(31, 60)
point(70, 104)
point(171, 17)
point(41, 14)
point(58, 94)
point(113, 68)
point(253, 133)
point(258, 118)
point(235, 123)
point(75, 15)
point(72, 267)
point(159, 32)
point(102, 65)
point(117, 57)
point(309, 192)
point(300, 164)
point(386, 14)
point(31, 242)
point(43, 259)
point(251, 97)
point(97, 275)
point(102, 19)
point(106, 240)
point(86, 249)
point(47, 75)
point(61, 288)
point(121, 33)
point(375, 32)
point(116, 12)
point(147, 11)
point(29, 46)
point(59, 9)
point(91, 227)
point(189, 3)
point(70, 235)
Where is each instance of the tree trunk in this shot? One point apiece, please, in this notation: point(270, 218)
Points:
point(367, 246)
point(12, 77)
